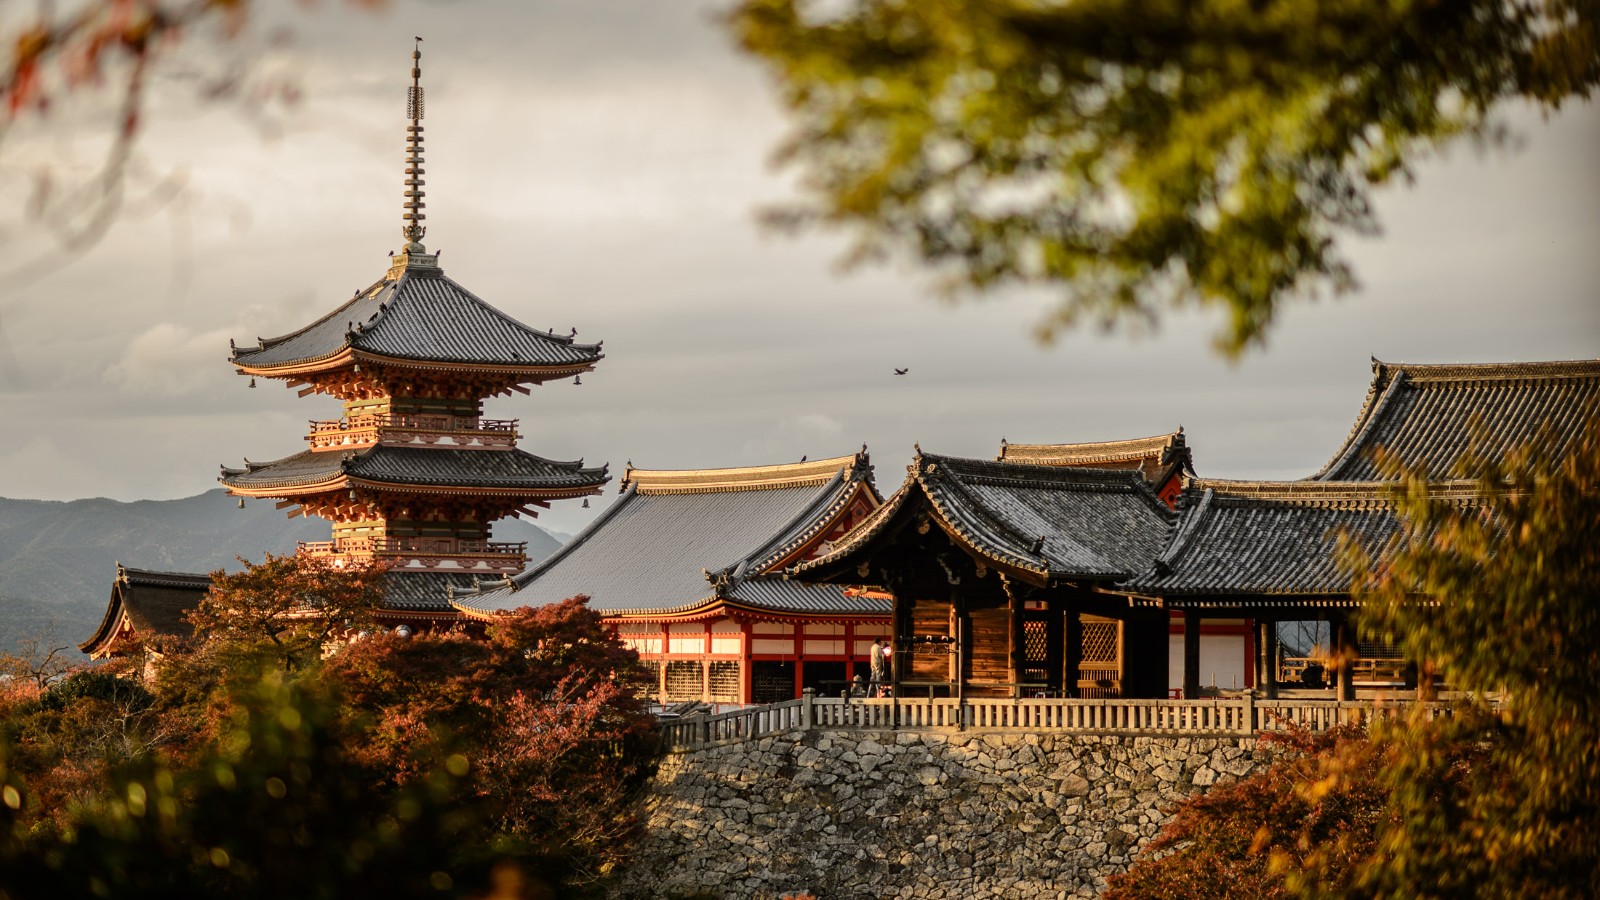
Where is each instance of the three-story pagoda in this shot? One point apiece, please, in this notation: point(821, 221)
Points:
point(413, 474)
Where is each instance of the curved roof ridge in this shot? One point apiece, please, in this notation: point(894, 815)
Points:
point(1327, 491)
point(1379, 395)
point(1560, 368)
point(364, 294)
point(1184, 532)
point(1004, 540)
point(742, 478)
point(805, 524)
point(866, 528)
point(520, 581)
point(131, 575)
point(1136, 446)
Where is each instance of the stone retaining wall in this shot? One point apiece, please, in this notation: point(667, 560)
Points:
point(915, 814)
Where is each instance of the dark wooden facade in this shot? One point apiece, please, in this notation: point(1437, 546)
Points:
point(997, 571)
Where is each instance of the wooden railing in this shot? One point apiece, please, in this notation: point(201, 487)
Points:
point(415, 547)
point(1243, 717)
point(415, 422)
point(410, 429)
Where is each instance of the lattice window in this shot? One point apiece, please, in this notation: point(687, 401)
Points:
point(652, 686)
point(1035, 641)
point(684, 680)
point(772, 681)
point(1035, 652)
point(1100, 642)
point(724, 681)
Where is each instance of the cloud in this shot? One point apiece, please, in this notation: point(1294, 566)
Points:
point(165, 359)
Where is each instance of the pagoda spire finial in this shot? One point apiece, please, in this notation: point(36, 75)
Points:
point(413, 230)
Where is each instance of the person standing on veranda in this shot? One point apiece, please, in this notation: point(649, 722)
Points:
point(880, 669)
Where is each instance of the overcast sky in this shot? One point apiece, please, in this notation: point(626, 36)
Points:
point(599, 164)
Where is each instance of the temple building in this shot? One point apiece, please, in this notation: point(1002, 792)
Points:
point(1268, 550)
point(412, 474)
point(145, 610)
point(1227, 646)
point(683, 565)
point(996, 571)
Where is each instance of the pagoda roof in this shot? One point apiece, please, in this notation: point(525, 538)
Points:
point(1430, 415)
point(151, 603)
point(1261, 544)
point(678, 540)
point(1158, 457)
point(1044, 523)
point(418, 314)
point(404, 466)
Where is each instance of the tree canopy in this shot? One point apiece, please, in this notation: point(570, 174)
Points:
point(432, 764)
point(1136, 157)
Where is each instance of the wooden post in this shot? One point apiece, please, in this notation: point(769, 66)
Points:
point(1191, 654)
point(1071, 652)
point(1345, 640)
point(1017, 643)
point(806, 698)
point(899, 634)
point(1269, 645)
point(1052, 653)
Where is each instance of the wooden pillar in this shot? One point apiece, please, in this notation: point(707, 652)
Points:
point(1191, 654)
point(1345, 651)
point(953, 628)
point(1071, 652)
point(747, 667)
point(1258, 658)
point(899, 639)
point(1052, 651)
point(1017, 641)
point(963, 621)
point(1269, 652)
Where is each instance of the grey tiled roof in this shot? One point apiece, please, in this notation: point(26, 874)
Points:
point(1158, 457)
point(1427, 414)
point(417, 466)
point(664, 543)
point(1267, 543)
point(421, 315)
point(426, 591)
point(776, 593)
point(154, 601)
point(1068, 523)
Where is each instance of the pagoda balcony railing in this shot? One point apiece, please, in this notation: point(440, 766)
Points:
point(442, 554)
point(413, 430)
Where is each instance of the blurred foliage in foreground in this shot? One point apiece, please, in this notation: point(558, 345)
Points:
point(432, 766)
point(1497, 595)
point(1140, 156)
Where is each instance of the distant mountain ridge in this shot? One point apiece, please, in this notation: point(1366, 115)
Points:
point(57, 558)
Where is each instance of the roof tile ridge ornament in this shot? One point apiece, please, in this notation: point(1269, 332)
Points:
point(413, 254)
